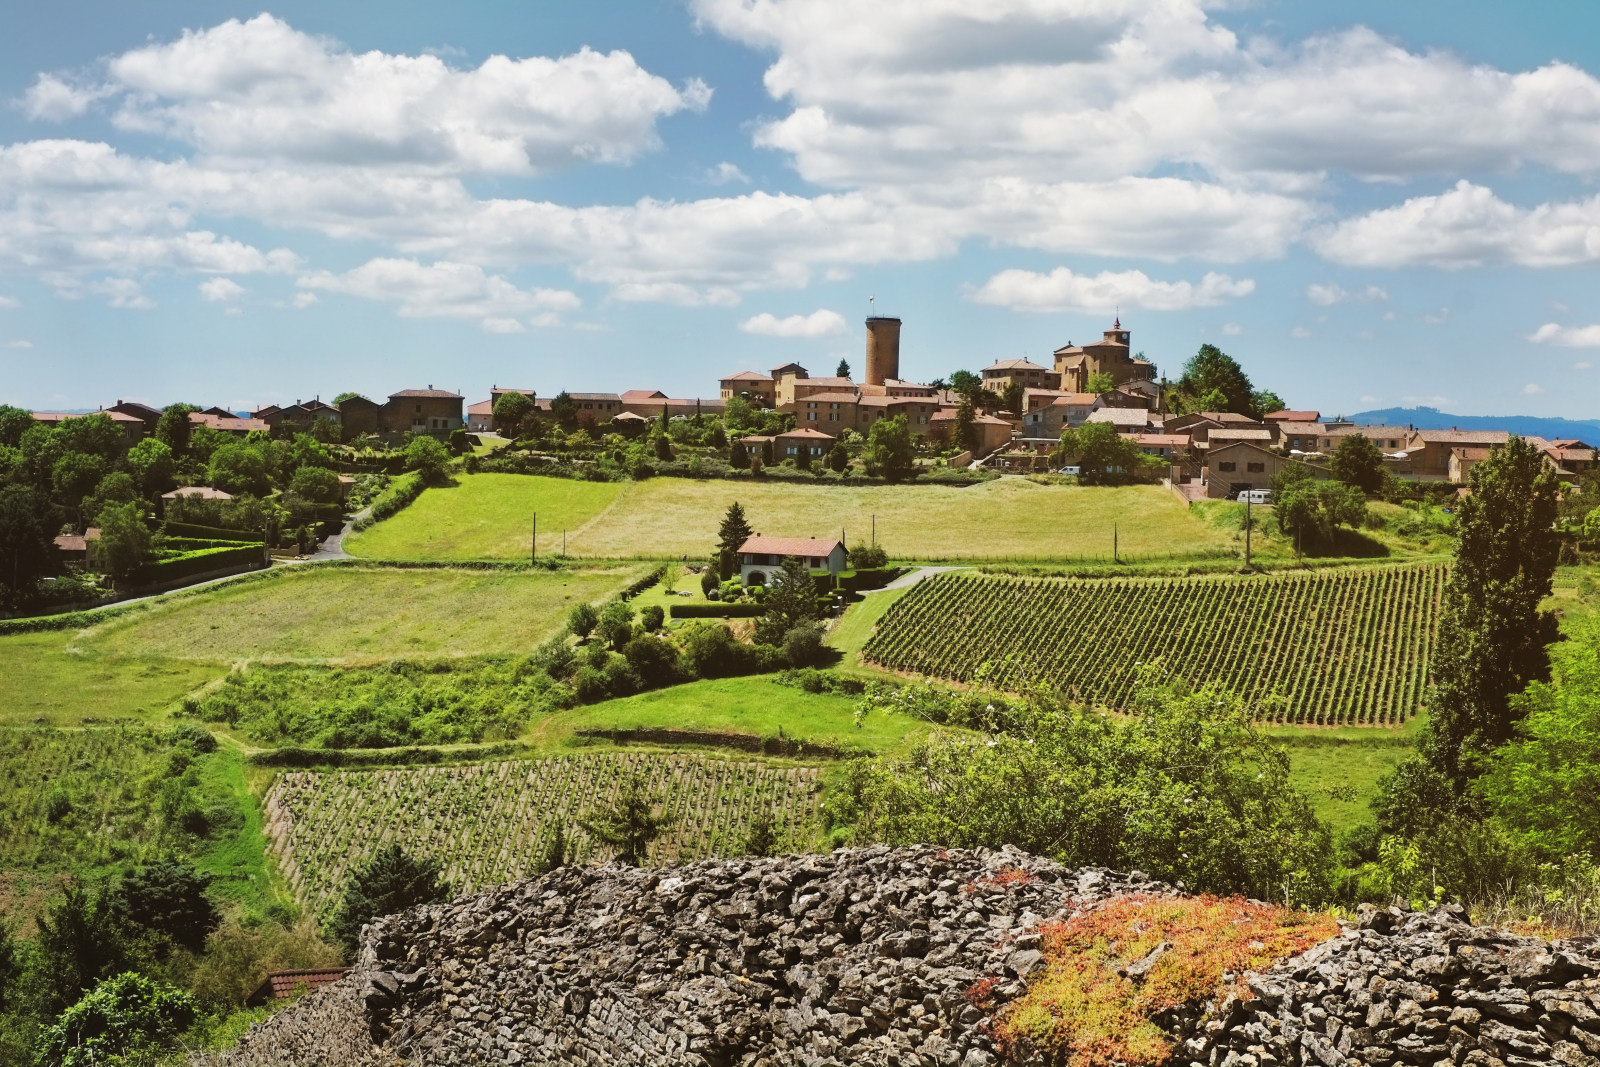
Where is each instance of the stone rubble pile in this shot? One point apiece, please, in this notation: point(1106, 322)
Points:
point(1420, 988)
point(868, 956)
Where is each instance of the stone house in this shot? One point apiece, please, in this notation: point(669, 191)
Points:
point(230, 424)
point(430, 410)
point(993, 434)
point(1126, 420)
point(1067, 410)
point(1429, 450)
point(803, 443)
point(761, 557)
point(358, 415)
point(754, 386)
point(1229, 468)
point(1002, 374)
point(132, 427)
point(143, 412)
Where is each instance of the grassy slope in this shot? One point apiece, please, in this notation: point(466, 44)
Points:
point(487, 516)
point(358, 614)
point(49, 678)
point(756, 706)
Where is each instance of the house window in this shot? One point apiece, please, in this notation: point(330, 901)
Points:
point(1255, 468)
point(811, 416)
point(1227, 467)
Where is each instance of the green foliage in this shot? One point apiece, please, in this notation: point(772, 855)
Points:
point(734, 531)
point(1493, 634)
point(792, 600)
point(174, 429)
point(652, 617)
point(26, 551)
point(125, 1022)
point(868, 557)
point(966, 383)
point(1310, 509)
point(392, 881)
point(890, 450)
point(240, 467)
point(511, 412)
point(762, 838)
point(90, 435)
point(1265, 401)
point(1105, 457)
point(964, 435)
point(1544, 784)
point(1359, 462)
point(557, 852)
point(75, 475)
point(124, 542)
point(384, 706)
point(400, 493)
point(564, 410)
point(14, 422)
point(802, 645)
point(1101, 382)
point(1185, 788)
point(629, 825)
point(316, 484)
point(167, 899)
point(427, 457)
point(1212, 375)
point(838, 458)
point(152, 465)
point(615, 625)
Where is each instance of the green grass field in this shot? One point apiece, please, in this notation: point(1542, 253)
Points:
point(360, 614)
point(757, 706)
point(49, 679)
point(487, 516)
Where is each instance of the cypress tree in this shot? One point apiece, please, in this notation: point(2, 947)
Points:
point(393, 880)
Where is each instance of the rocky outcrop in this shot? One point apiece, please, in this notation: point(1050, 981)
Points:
point(870, 956)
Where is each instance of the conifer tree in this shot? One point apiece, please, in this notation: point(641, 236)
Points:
point(734, 531)
point(393, 880)
point(630, 825)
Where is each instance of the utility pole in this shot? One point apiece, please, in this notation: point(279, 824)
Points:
point(874, 528)
point(534, 544)
point(1115, 553)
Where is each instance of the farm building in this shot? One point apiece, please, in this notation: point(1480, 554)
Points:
point(760, 557)
point(804, 443)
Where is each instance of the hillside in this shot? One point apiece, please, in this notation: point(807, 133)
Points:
point(1523, 425)
point(918, 956)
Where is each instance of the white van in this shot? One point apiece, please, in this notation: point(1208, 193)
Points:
point(1255, 496)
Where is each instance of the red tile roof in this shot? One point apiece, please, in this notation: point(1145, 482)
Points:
point(61, 416)
point(804, 432)
point(810, 547)
point(1014, 364)
point(217, 422)
point(281, 985)
point(748, 376)
point(1287, 415)
point(644, 394)
point(197, 492)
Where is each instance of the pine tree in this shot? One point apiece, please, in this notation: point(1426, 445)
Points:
point(762, 838)
point(791, 600)
point(843, 370)
point(734, 531)
point(630, 825)
point(393, 880)
point(963, 435)
point(556, 854)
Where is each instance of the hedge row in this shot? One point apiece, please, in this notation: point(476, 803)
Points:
point(644, 583)
point(191, 544)
point(716, 611)
point(161, 571)
point(401, 492)
point(208, 533)
point(67, 620)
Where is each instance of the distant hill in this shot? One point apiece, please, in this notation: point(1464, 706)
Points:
point(1523, 425)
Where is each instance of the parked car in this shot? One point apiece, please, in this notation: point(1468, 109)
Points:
point(1070, 470)
point(1255, 496)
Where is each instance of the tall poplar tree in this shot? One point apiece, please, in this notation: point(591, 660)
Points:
point(1492, 633)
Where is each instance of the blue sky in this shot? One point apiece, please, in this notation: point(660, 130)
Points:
point(1367, 204)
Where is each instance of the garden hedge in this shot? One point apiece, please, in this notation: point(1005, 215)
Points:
point(716, 611)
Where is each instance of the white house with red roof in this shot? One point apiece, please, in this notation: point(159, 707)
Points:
point(762, 557)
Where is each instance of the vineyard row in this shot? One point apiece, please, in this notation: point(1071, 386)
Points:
point(489, 822)
point(1329, 647)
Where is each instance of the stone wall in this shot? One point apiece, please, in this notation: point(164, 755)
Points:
point(866, 956)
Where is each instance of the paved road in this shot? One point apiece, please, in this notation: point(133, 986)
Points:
point(911, 579)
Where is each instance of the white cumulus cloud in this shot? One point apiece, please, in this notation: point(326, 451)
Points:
point(1326, 295)
point(442, 290)
point(262, 89)
point(1566, 336)
point(221, 290)
point(820, 323)
point(1062, 290)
